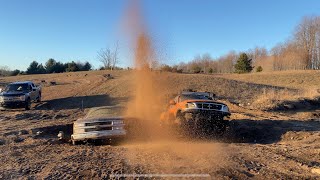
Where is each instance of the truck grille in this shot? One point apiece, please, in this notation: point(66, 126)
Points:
point(98, 129)
point(209, 106)
point(102, 125)
point(99, 123)
point(11, 98)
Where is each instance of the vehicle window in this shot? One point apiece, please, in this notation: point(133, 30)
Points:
point(32, 85)
point(176, 99)
point(193, 96)
point(105, 112)
point(17, 87)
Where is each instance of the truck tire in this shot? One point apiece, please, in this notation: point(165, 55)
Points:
point(28, 104)
point(75, 142)
point(222, 127)
point(39, 98)
point(182, 127)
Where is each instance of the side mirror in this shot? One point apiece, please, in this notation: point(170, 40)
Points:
point(171, 102)
point(212, 96)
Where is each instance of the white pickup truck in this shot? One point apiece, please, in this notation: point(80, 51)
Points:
point(20, 94)
point(100, 123)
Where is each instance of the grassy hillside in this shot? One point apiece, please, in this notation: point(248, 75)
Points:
point(291, 79)
point(227, 87)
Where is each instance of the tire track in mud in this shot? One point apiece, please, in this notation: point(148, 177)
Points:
point(177, 157)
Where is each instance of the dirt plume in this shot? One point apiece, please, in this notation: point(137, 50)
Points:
point(159, 150)
point(146, 106)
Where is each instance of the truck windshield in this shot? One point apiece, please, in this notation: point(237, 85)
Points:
point(105, 112)
point(194, 96)
point(17, 87)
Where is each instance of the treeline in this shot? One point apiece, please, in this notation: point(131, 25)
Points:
point(5, 71)
point(300, 52)
point(231, 63)
point(51, 66)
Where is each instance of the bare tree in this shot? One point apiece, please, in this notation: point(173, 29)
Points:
point(105, 56)
point(115, 58)
point(206, 59)
point(306, 36)
point(225, 63)
point(257, 53)
point(109, 58)
point(4, 71)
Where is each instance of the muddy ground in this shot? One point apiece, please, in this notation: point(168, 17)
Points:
point(259, 144)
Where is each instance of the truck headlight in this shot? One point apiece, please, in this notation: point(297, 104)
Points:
point(225, 109)
point(117, 122)
point(117, 128)
point(191, 105)
point(22, 98)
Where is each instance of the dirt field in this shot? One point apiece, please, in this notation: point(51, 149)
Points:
point(260, 144)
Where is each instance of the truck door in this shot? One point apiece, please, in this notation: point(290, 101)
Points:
point(32, 92)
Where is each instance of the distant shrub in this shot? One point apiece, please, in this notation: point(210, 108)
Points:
point(259, 69)
point(196, 69)
point(15, 72)
point(166, 68)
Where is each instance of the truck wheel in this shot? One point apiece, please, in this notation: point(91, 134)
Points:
point(222, 127)
point(179, 120)
point(183, 128)
point(28, 104)
point(39, 98)
point(75, 142)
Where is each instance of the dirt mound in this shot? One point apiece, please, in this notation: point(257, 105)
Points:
point(289, 105)
point(269, 131)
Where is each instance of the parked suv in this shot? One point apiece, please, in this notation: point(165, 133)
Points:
point(20, 94)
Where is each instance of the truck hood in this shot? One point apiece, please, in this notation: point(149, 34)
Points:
point(98, 119)
point(13, 93)
point(203, 101)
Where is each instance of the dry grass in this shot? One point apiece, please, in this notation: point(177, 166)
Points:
point(272, 99)
point(309, 79)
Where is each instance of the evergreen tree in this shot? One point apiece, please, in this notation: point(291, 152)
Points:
point(72, 67)
point(32, 69)
point(50, 65)
point(243, 64)
point(41, 69)
point(59, 68)
point(36, 68)
point(86, 66)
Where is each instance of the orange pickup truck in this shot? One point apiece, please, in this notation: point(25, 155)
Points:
point(197, 111)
